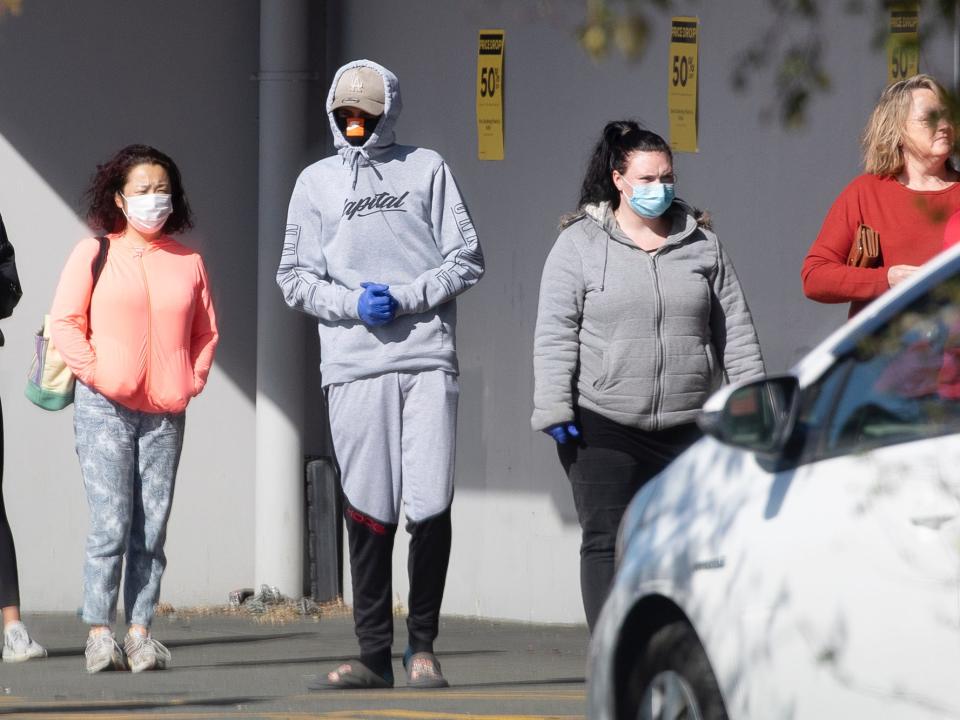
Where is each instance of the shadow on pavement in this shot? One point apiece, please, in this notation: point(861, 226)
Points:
point(319, 660)
point(101, 706)
point(199, 642)
point(521, 683)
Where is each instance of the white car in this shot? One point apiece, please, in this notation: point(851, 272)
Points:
point(802, 561)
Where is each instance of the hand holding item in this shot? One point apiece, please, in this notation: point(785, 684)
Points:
point(376, 306)
point(898, 273)
point(563, 432)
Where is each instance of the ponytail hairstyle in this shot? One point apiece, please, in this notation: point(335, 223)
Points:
point(619, 140)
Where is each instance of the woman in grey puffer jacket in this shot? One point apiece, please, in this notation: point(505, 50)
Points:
point(641, 318)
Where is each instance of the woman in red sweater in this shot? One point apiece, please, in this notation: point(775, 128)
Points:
point(907, 193)
point(140, 337)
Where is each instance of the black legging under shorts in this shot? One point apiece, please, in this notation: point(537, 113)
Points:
point(9, 585)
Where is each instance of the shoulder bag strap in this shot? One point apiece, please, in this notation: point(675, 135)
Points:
point(101, 259)
point(96, 268)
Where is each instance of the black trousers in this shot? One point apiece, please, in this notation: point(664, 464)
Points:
point(606, 469)
point(371, 556)
point(9, 584)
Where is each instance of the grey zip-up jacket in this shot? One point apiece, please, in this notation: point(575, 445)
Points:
point(384, 213)
point(642, 339)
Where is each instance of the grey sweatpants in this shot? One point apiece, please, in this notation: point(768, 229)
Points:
point(395, 438)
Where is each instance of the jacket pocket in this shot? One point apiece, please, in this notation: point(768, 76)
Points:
point(600, 382)
point(117, 374)
point(711, 362)
point(172, 381)
point(351, 344)
point(627, 366)
point(410, 334)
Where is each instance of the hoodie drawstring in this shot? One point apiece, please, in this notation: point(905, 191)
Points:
point(606, 257)
point(355, 154)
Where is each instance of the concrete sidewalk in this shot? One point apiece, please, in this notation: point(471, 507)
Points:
point(226, 667)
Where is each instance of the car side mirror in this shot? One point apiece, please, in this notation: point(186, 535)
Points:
point(757, 415)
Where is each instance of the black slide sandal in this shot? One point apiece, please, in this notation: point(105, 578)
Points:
point(352, 675)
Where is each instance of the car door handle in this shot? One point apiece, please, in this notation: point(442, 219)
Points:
point(934, 522)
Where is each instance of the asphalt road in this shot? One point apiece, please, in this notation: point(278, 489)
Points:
point(231, 667)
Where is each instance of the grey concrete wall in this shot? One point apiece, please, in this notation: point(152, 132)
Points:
point(77, 82)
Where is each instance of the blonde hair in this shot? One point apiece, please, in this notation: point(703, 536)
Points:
point(883, 137)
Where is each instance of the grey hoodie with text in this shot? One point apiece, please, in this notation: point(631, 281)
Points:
point(642, 339)
point(384, 213)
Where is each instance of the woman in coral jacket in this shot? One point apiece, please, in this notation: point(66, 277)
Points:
point(140, 341)
point(907, 193)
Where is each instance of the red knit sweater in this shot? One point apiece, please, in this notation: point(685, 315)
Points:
point(910, 224)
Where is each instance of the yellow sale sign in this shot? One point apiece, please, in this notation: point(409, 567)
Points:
point(490, 95)
point(903, 46)
point(682, 83)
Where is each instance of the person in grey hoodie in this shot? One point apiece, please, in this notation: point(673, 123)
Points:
point(641, 317)
point(378, 244)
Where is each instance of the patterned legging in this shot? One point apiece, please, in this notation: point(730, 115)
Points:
point(128, 460)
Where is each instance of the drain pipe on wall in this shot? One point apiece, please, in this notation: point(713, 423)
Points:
point(278, 488)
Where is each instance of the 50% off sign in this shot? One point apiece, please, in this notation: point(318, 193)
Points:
point(682, 84)
point(490, 95)
point(903, 44)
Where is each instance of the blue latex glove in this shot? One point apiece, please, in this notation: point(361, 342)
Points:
point(376, 305)
point(563, 432)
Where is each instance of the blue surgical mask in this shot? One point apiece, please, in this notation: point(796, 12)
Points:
point(651, 200)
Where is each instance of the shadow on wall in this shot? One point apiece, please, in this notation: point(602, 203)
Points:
point(81, 80)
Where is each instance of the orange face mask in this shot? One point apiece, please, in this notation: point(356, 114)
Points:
point(355, 127)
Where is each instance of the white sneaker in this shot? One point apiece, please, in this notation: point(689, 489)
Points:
point(18, 645)
point(145, 653)
point(103, 652)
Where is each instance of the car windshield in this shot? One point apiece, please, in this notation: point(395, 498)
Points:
point(903, 380)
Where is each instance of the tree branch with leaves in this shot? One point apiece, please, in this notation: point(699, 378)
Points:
point(11, 7)
point(793, 42)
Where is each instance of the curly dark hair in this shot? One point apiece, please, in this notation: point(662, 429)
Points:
point(619, 139)
point(103, 213)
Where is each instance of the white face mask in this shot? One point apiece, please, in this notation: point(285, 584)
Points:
point(148, 213)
